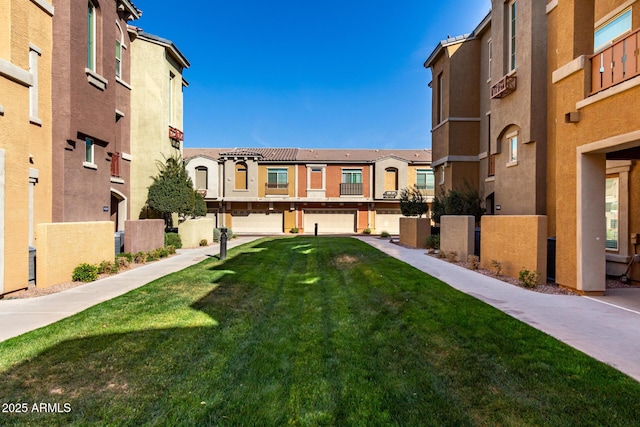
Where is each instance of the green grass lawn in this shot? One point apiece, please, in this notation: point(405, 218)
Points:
point(306, 331)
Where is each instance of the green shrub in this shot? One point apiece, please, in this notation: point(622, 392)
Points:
point(140, 258)
point(294, 230)
point(161, 252)
point(473, 261)
point(204, 242)
point(366, 231)
point(125, 255)
point(173, 239)
point(107, 267)
point(171, 249)
point(528, 279)
point(217, 232)
point(85, 273)
point(413, 202)
point(385, 234)
point(432, 241)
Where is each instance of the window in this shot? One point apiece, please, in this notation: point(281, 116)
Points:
point(118, 58)
point(91, 37)
point(440, 106)
point(277, 178)
point(171, 78)
point(352, 176)
point(611, 212)
point(201, 178)
point(612, 30)
point(88, 150)
point(441, 175)
point(512, 35)
point(241, 176)
point(512, 141)
point(490, 57)
point(425, 179)
point(34, 54)
point(492, 165)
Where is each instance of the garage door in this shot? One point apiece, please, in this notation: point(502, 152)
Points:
point(257, 221)
point(388, 221)
point(330, 221)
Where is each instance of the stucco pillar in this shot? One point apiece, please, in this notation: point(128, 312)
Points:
point(591, 223)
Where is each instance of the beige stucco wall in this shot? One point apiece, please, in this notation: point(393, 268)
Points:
point(404, 180)
point(63, 246)
point(457, 235)
point(192, 231)
point(26, 140)
point(150, 143)
point(213, 173)
point(262, 179)
point(414, 232)
point(517, 241)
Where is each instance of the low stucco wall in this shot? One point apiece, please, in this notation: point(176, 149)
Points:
point(414, 232)
point(457, 235)
point(192, 231)
point(517, 241)
point(143, 235)
point(62, 246)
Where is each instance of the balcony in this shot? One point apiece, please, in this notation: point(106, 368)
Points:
point(617, 63)
point(504, 87)
point(115, 165)
point(350, 189)
point(276, 189)
point(425, 190)
point(390, 194)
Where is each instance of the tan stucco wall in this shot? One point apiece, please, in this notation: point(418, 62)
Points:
point(150, 143)
point(404, 179)
point(612, 116)
point(192, 231)
point(26, 145)
point(457, 235)
point(518, 241)
point(63, 246)
point(414, 232)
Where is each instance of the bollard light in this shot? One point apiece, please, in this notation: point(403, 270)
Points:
point(223, 243)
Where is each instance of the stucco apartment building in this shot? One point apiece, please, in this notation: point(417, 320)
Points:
point(274, 190)
point(26, 50)
point(554, 94)
point(92, 110)
point(157, 129)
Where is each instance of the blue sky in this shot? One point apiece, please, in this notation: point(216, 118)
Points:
point(331, 74)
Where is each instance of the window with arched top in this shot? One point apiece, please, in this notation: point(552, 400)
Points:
point(202, 175)
point(390, 179)
point(91, 35)
point(119, 47)
point(241, 176)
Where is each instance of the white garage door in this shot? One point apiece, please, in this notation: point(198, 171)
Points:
point(329, 221)
point(389, 222)
point(257, 222)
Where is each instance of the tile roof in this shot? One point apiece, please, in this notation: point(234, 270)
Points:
point(306, 155)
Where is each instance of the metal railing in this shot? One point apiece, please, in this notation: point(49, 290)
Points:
point(503, 87)
point(276, 188)
point(350, 189)
point(616, 63)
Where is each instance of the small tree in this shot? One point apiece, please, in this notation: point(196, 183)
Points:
point(200, 205)
point(172, 190)
point(457, 202)
point(412, 202)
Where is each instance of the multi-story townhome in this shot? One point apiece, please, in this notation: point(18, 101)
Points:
point(26, 50)
point(91, 110)
point(488, 109)
point(594, 139)
point(274, 190)
point(157, 110)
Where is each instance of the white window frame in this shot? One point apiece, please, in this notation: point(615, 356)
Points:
point(34, 55)
point(440, 83)
point(512, 32)
point(489, 58)
point(429, 179)
point(91, 36)
point(119, 47)
point(609, 25)
point(199, 170)
point(89, 153)
point(351, 172)
point(279, 172)
point(512, 143)
point(171, 109)
point(442, 174)
point(612, 200)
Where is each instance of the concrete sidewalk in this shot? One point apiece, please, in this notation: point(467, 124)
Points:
point(601, 327)
point(18, 316)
